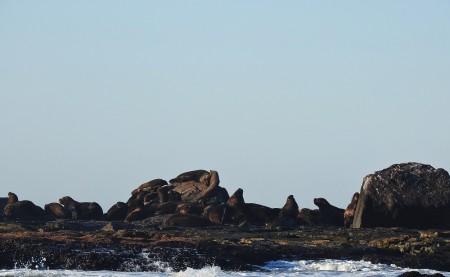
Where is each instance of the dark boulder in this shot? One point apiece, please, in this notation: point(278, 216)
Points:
point(418, 274)
point(411, 195)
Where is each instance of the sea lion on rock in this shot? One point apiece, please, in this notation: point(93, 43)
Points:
point(287, 217)
point(190, 208)
point(141, 213)
point(57, 211)
point(186, 220)
point(195, 175)
point(259, 215)
point(118, 211)
point(25, 210)
point(82, 210)
point(215, 213)
point(150, 198)
point(308, 217)
point(149, 186)
point(12, 198)
point(234, 208)
point(350, 211)
point(329, 214)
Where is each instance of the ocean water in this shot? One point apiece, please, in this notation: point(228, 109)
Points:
point(275, 268)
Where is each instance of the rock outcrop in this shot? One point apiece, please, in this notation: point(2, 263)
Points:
point(411, 195)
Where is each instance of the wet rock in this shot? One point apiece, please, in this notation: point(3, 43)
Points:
point(410, 195)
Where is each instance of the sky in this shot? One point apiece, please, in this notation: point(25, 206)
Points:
point(280, 97)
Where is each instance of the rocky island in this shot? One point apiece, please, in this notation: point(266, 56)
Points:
point(398, 217)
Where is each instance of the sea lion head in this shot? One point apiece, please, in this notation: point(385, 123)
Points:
point(237, 199)
point(12, 198)
point(321, 202)
point(66, 200)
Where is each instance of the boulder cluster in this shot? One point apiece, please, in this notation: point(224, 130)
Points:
point(405, 195)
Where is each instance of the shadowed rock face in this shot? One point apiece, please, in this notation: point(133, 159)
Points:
point(405, 195)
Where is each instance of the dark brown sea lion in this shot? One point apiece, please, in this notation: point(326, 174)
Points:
point(151, 197)
point(235, 208)
point(3, 201)
point(329, 214)
point(190, 208)
point(287, 217)
point(174, 196)
point(82, 210)
point(136, 201)
point(215, 213)
point(308, 217)
point(213, 185)
point(186, 220)
point(350, 211)
point(290, 208)
point(25, 210)
point(259, 215)
point(195, 175)
point(57, 211)
point(12, 198)
point(118, 211)
point(166, 208)
point(141, 213)
point(149, 186)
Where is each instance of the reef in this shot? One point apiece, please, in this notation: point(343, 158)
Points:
point(145, 246)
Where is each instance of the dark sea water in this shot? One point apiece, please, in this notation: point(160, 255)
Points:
point(275, 268)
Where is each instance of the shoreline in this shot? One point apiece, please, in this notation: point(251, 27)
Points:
point(118, 246)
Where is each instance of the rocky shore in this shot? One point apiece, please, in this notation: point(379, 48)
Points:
point(145, 246)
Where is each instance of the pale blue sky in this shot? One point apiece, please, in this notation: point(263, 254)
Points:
point(281, 97)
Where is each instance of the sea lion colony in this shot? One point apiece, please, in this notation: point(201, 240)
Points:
point(192, 199)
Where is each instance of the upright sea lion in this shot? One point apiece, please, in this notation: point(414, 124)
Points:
point(290, 208)
point(117, 211)
point(25, 210)
point(329, 214)
point(56, 210)
point(287, 217)
point(12, 198)
point(82, 210)
point(235, 208)
point(350, 211)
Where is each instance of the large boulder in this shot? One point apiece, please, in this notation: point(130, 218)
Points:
point(411, 195)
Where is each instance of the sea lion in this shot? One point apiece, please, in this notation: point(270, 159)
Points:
point(213, 185)
point(190, 208)
point(57, 211)
point(308, 217)
point(259, 215)
point(166, 208)
point(235, 208)
point(152, 197)
point(149, 186)
point(118, 211)
point(329, 214)
point(350, 211)
point(174, 196)
point(215, 213)
point(82, 210)
point(141, 213)
point(25, 210)
point(12, 198)
point(287, 217)
point(186, 220)
point(195, 175)
point(136, 201)
point(290, 208)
